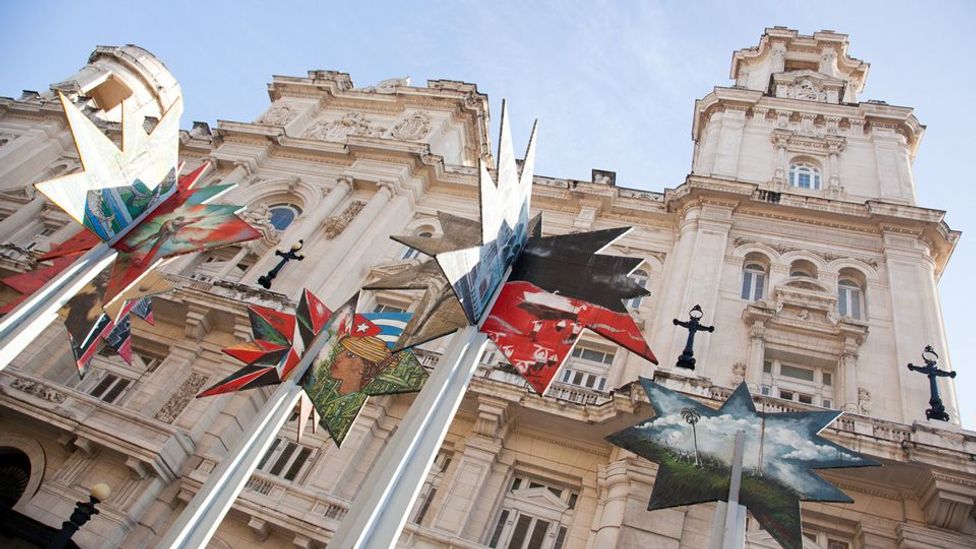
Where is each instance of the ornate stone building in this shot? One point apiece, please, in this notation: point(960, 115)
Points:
point(797, 231)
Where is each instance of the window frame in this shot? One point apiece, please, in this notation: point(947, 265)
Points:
point(755, 278)
point(641, 277)
point(810, 170)
point(296, 212)
point(850, 290)
point(820, 391)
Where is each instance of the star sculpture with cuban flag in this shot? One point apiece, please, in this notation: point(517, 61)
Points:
point(693, 447)
point(556, 286)
point(357, 362)
point(133, 200)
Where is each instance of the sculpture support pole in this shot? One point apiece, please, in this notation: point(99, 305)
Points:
point(25, 323)
point(379, 511)
point(729, 524)
point(198, 522)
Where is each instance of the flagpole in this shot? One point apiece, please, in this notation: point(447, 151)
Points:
point(380, 509)
point(202, 516)
point(22, 325)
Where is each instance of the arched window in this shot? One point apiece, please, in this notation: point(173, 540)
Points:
point(641, 277)
point(850, 298)
point(753, 282)
point(411, 252)
point(282, 215)
point(805, 175)
point(802, 267)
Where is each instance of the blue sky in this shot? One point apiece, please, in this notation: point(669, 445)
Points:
point(613, 84)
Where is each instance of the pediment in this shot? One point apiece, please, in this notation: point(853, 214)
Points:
point(542, 497)
point(807, 85)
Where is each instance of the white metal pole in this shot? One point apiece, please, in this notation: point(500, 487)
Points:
point(379, 511)
point(730, 536)
point(198, 522)
point(28, 320)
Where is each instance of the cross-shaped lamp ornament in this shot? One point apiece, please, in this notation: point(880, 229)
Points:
point(937, 410)
point(687, 358)
point(292, 253)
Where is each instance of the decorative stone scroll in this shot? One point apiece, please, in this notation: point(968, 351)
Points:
point(175, 405)
point(338, 223)
point(352, 123)
point(412, 128)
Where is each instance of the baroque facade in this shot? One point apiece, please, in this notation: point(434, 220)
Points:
point(797, 231)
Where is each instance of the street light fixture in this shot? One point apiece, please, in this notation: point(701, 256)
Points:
point(83, 513)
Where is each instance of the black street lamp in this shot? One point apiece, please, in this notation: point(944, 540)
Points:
point(285, 257)
point(83, 513)
point(687, 358)
point(937, 410)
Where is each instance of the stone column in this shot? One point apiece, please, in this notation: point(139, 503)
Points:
point(677, 272)
point(30, 154)
point(729, 142)
point(757, 352)
point(615, 489)
point(848, 365)
point(21, 218)
point(307, 230)
point(478, 478)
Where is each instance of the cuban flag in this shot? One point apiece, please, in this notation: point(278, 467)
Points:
point(386, 326)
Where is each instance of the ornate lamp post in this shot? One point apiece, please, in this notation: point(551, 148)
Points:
point(83, 513)
point(937, 410)
point(285, 258)
point(687, 358)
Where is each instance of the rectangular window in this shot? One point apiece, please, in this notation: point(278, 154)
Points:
point(806, 399)
point(560, 538)
point(538, 533)
point(285, 459)
point(837, 544)
point(498, 529)
point(828, 379)
point(786, 395)
point(796, 373)
point(521, 530)
point(592, 355)
point(827, 403)
point(765, 389)
point(767, 367)
point(383, 308)
point(111, 388)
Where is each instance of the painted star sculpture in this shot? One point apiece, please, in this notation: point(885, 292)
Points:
point(548, 288)
point(357, 362)
point(133, 200)
point(694, 457)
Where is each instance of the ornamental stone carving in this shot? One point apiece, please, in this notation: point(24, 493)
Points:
point(389, 85)
point(864, 400)
point(338, 223)
point(352, 123)
point(805, 90)
point(412, 128)
point(175, 405)
point(39, 390)
point(278, 115)
point(738, 373)
point(259, 217)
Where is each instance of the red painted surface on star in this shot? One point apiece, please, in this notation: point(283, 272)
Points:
point(362, 327)
point(276, 350)
point(536, 330)
point(82, 241)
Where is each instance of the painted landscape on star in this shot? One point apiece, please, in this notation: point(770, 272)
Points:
point(693, 445)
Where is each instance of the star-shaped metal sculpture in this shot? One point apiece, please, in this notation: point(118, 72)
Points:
point(557, 285)
point(781, 449)
point(131, 199)
point(358, 362)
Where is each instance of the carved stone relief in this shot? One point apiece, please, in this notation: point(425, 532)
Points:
point(39, 390)
point(738, 373)
point(388, 86)
point(352, 123)
point(412, 128)
point(278, 115)
point(338, 223)
point(259, 217)
point(864, 400)
point(806, 90)
point(175, 405)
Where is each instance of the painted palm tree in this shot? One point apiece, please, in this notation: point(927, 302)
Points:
point(692, 416)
